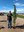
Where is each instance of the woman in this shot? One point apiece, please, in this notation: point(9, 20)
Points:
point(9, 18)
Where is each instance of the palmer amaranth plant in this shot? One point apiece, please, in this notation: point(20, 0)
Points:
point(14, 15)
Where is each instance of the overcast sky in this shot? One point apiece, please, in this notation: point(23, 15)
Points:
point(7, 5)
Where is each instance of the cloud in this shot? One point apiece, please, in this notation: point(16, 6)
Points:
point(19, 4)
point(6, 10)
point(20, 10)
point(16, 0)
point(4, 7)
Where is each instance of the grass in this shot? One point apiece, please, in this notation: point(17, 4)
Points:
point(21, 16)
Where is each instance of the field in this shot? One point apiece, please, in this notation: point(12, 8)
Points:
point(19, 21)
point(21, 16)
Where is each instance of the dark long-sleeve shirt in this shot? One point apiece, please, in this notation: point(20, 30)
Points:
point(9, 17)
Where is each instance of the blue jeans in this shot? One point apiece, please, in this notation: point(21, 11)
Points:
point(9, 23)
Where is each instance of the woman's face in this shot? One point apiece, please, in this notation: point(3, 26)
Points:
point(9, 12)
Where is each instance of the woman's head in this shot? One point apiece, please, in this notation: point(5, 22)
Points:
point(9, 12)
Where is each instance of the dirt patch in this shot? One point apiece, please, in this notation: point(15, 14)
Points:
point(19, 21)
